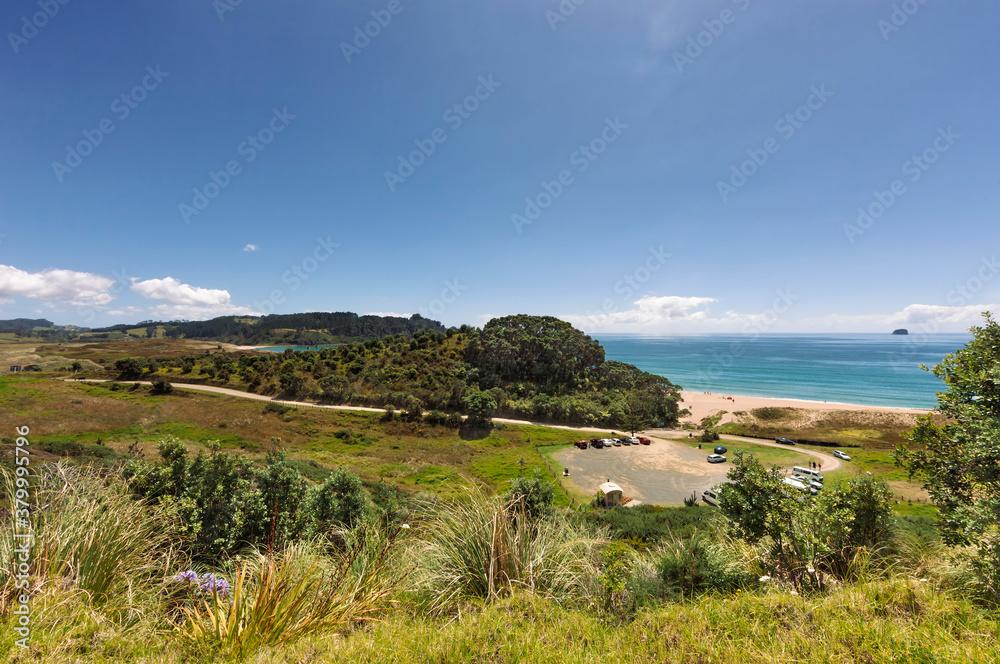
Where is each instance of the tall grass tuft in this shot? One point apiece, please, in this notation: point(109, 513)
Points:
point(486, 548)
point(276, 599)
point(88, 536)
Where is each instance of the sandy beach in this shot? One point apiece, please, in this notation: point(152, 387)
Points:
point(702, 405)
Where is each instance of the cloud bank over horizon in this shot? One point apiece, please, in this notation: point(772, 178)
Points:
point(168, 298)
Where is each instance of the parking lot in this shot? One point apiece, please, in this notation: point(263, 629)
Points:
point(661, 473)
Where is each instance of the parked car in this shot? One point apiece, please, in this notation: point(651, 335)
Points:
point(643, 441)
point(711, 497)
point(808, 481)
point(784, 441)
point(716, 458)
point(613, 441)
point(633, 440)
point(597, 442)
point(582, 444)
point(625, 441)
point(841, 455)
point(720, 449)
point(808, 472)
point(795, 484)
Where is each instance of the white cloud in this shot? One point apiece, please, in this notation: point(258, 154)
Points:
point(126, 311)
point(186, 301)
point(77, 288)
point(915, 317)
point(194, 312)
point(647, 312)
point(965, 316)
point(173, 291)
point(250, 247)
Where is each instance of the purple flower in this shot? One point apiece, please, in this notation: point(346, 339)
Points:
point(190, 576)
point(209, 583)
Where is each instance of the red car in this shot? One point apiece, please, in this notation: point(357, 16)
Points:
point(582, 444)
point(644, 441)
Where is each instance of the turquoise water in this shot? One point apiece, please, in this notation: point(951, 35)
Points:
point(281, 349)
point(870, 369)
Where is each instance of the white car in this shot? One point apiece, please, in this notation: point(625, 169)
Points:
point(808, 481)
point(841, 455)
point(716, 458)
point(795, 484)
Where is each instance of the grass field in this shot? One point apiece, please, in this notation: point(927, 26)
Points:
point(766, 455)
point(99, 351)
point(418, 457)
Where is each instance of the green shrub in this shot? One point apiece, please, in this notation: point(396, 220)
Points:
point(696, 566)
point(226, 503)
point(102, 452)
point(771, 413)
point(650, 524)
point(275, 407)
point(61, 447)
point(616, 567)
point(532, 497)
point(341, 501)
point(161, 386)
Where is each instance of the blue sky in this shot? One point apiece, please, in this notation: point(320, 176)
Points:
point(632, 167)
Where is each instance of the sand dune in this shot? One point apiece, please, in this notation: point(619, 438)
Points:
point(702, 405)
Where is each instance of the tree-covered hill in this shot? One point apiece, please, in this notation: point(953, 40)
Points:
point(518, 366)
point(305, 329)
point(23, 324)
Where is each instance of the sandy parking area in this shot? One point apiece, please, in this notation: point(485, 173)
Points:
point(664, 472)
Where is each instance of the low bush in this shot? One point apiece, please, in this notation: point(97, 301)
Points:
point(275, 407)
point(689, 568)
point(651, 524)
point(67, 448)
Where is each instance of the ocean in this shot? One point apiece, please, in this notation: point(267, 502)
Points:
point(869, 369)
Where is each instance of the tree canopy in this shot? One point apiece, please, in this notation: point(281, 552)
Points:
point(540, 349)
point(959, 462)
